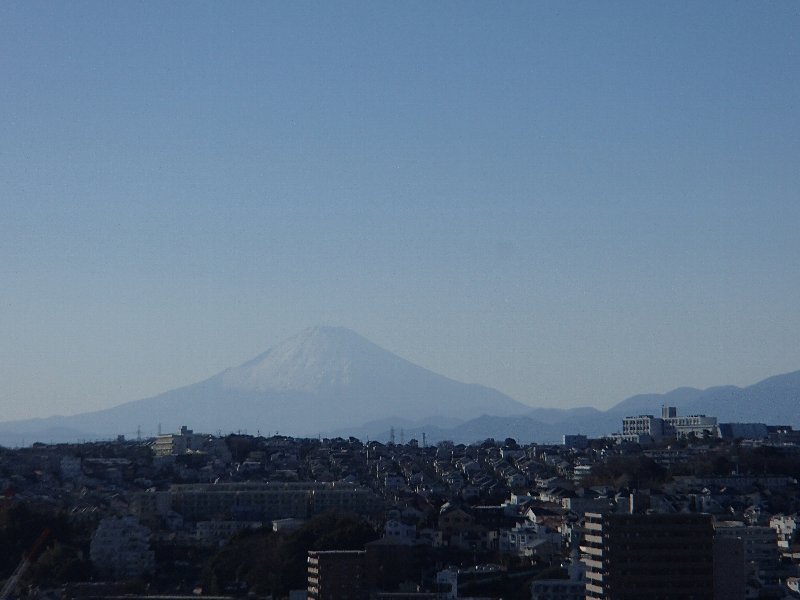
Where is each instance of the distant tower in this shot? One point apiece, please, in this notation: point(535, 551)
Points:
point(424, 443)
point(139, 433)
point(391, 436)
point(402, 437)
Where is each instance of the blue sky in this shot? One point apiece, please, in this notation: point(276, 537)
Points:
point(571, 202)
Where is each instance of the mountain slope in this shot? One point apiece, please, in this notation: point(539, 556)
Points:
point(775, 400)
point(323, 379)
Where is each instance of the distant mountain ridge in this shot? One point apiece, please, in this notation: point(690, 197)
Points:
point(773, 401)
point(332, 381)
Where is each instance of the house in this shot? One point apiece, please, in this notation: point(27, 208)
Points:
point(453, 518)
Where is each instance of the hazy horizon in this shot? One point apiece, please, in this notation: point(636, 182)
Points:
point(571, 204)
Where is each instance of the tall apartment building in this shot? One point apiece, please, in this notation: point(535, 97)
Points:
point(730, 569)
point(760, 546)
point(653, 556)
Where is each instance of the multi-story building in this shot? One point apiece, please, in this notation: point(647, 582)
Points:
point(170, 444)
point(258, 501)
point(730, 569)
point(342, 497)
point(643, 425)
point(760, 544)
point(654, 556)
point(186, 440)
point(120, 549)
point(698, 425)
point(668, 425)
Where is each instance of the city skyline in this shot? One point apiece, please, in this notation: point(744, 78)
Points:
point(572, 205)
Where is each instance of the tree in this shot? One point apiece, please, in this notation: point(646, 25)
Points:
point(265, 562)
point(637, 471)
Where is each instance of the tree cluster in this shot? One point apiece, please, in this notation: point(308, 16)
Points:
point(267, 562)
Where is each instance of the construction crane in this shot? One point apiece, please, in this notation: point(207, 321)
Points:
point(27, 559)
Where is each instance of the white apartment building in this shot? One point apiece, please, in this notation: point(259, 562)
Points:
point(669, 424)
point(120, 549)
point(186, 440)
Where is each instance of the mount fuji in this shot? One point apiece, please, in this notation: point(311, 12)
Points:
point(322, 380)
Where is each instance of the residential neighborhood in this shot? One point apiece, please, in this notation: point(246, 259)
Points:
point(194, 514)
